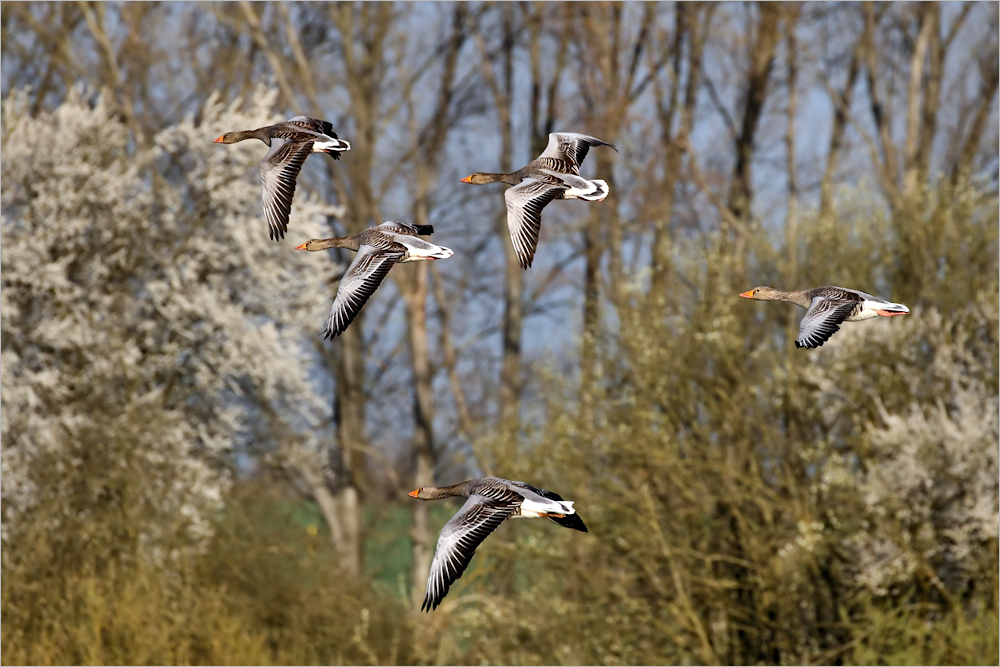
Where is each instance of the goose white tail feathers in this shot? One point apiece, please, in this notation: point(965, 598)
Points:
point(895, 308)
point(598, 191)
point(434, 252)
point(535, 508)
point(332, 147)
point(601, 193)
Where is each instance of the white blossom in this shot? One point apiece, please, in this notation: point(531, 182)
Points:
point(141, 280)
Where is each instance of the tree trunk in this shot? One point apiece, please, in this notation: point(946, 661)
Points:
point(792, 11)
point(513, 307)
point(688, 28)
point(932, 94)
point(761, 59)
point(423, 413)
point(841, 112)
point(962, 166)
point(888, 169)
point(349, 411)
point(911, 166)
point(365, 71)
point(415, 290)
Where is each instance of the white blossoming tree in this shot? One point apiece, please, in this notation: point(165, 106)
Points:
point(148, 324)
point(919, 453)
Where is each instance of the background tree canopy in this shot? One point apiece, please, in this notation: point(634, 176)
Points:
point(191, 475)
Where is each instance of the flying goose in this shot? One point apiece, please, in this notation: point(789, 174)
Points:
point(826, 308)
point(291, 143)
point(378, 249)
point(555, 174)
point(490, 501)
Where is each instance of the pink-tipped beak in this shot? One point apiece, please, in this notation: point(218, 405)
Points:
point(219, 140)
point(413, 494)
point(467, 179)
point(302, 247)
point(747, 295)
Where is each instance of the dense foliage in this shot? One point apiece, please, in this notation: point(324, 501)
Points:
point(190, 475)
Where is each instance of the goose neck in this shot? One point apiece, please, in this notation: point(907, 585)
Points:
point(798, 297)
point(349, 242)
point(449, 491)
point(512, 178)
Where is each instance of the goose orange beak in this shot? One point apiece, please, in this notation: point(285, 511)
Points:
point(467, 179)
point(747, 295)
point(413, 494)
point(219, 140)
point(303, 246)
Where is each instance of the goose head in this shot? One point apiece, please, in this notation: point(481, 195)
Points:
point(760, 293)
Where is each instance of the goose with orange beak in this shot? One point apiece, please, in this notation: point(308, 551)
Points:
point(290, 142)
point(379, 248)
point(490, 501)
point(827, 308)
point(555, 174)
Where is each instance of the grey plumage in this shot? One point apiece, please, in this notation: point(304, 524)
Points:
point(490, 501)
point(379, 248)
point(555, 174)
point(290, 143)
point(827, 308)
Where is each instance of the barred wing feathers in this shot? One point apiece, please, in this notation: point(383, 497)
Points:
point(525, 202)
point(460, 537)
point(823, 319)
point(571, 146)
point(363, 277)
point(278, 171)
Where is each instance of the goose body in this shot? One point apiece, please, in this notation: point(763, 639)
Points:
point(377, 248)
point(826, 308)
point(490, 501)
point(290, 142)
point(555, 174)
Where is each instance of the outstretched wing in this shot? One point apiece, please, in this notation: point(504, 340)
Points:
point(525, 202)
point(278, 171)
point(571, 146)
point(823, 319)
point(314, 125)
point(407, 228)
point(362, 278)
point(458, 542)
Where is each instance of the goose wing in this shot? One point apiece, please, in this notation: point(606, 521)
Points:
point(823, 319)
point(841, 294)
point(525, 202)
point(314, 125)
point(363, 276)
point(278, 171)
point(571, 146)
point(459, 539)
point(407, 228)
